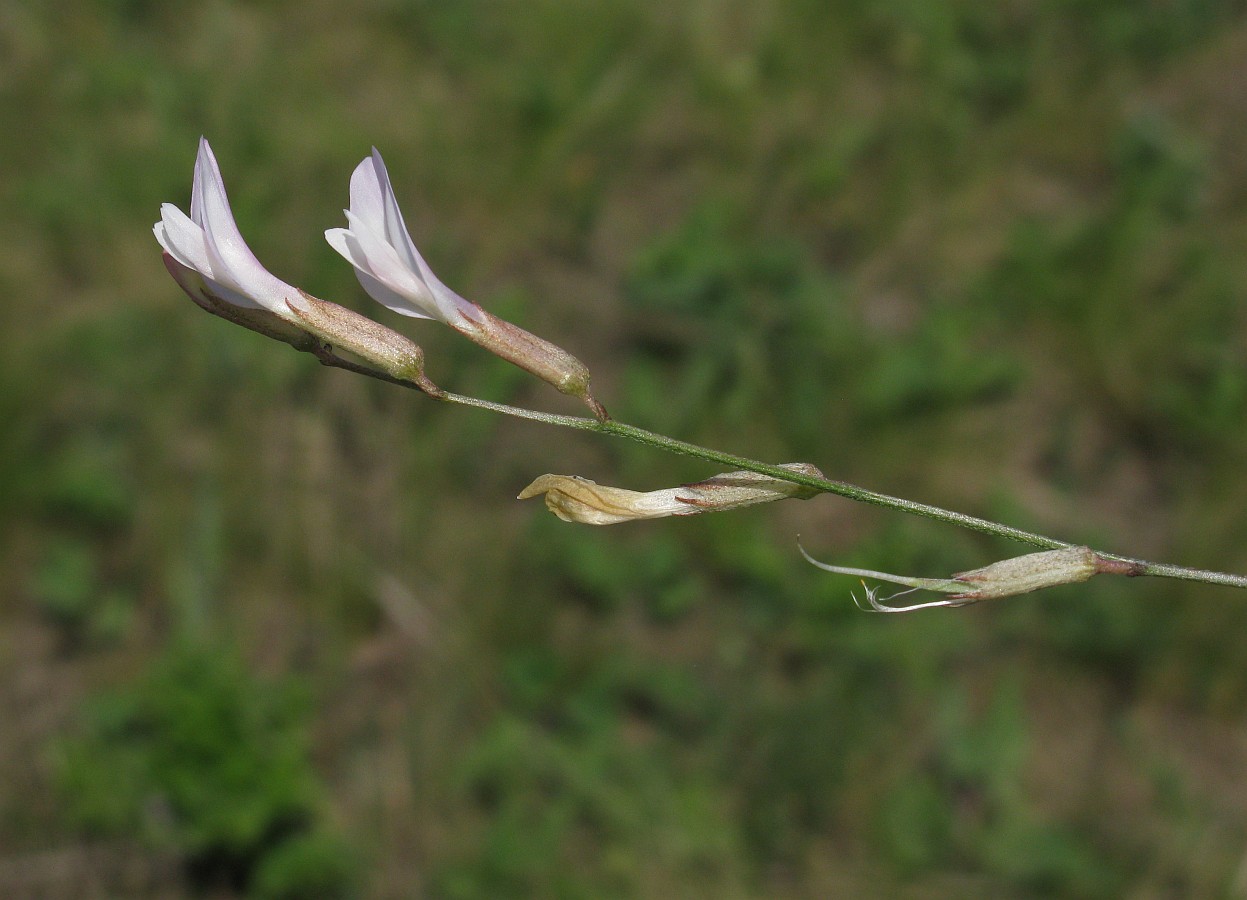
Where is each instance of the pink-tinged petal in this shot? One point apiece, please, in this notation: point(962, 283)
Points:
point(186, 243)
point(188, 279)
point(394, 228)
point(182, 238)
point(452, 307)
point(385, 258)
point(384, 264)
point(233, 263)
point(388, 298)
point(345, 243)
point(366, 200)
point(206, 248)
point(197, 187)
point(196, 285)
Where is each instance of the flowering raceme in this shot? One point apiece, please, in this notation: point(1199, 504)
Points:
point(390, 268)
point(207, 256)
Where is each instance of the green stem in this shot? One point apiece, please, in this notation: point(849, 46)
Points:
point(1131, 566)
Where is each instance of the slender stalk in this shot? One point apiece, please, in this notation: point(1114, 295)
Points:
point(1130, 565)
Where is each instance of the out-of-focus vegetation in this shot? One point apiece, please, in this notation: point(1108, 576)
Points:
point(272, 630)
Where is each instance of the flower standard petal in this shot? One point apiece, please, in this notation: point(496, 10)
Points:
point(233, 263)
point(453, 308)
point(392, 217)
point(367, 201)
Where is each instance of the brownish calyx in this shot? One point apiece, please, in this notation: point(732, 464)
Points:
point(340, 327)
point(549, 362)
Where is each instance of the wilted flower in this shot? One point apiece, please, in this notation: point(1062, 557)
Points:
point(576, 499)
point(390, 268)
point(207, 256)
point(1006, 578)
point(1032, 572)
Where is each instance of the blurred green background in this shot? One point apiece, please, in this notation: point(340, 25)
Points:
point(270, 630)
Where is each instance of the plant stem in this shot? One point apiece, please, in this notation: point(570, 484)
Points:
point(1131, 565)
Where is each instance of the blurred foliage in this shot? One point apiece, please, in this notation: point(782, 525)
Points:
point(283, 626)
point(203, 759)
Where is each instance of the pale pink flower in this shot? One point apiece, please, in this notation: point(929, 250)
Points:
point(387, 263)
point(208, 243)
point(390, 268)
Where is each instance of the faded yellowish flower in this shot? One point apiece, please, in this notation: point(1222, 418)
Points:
point(576, 499)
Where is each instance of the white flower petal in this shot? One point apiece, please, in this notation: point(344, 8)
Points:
point(394, 228)
point(366, 199)
point(187, 244)
point(182, 238)
point(453, 308)
point(382, 262)
point(343, 241)
point(346, 244)
point(197, 186)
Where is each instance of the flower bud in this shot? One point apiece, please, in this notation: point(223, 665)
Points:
point(576, 499)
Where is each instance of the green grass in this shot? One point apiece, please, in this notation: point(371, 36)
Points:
point(988, 257)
